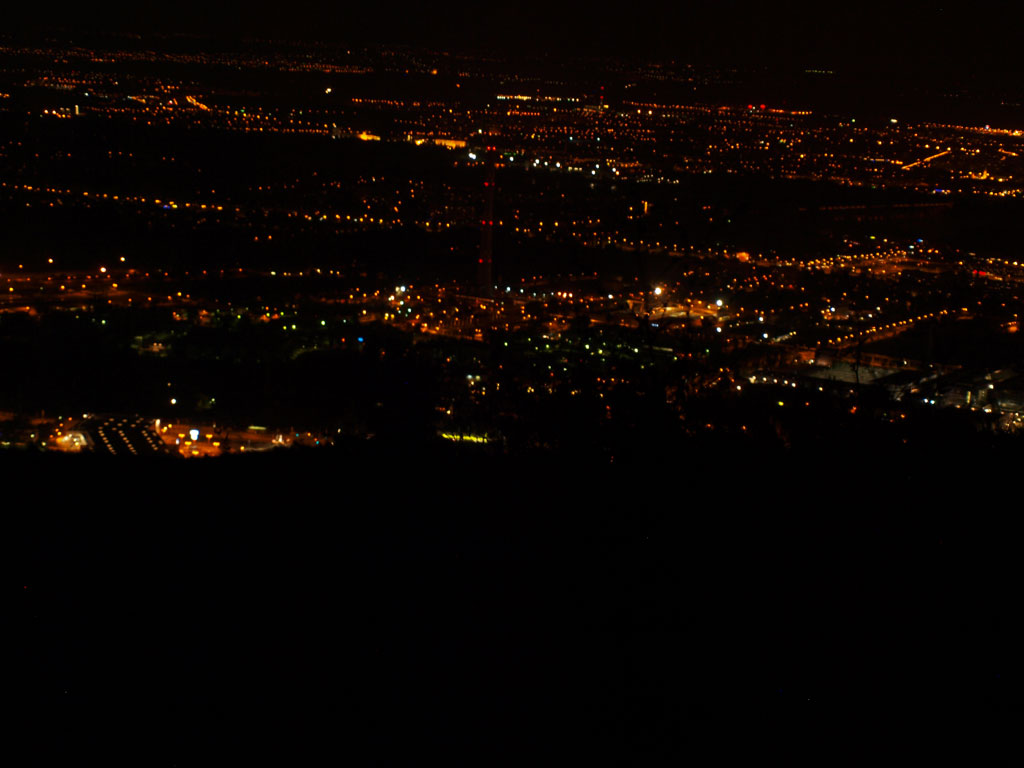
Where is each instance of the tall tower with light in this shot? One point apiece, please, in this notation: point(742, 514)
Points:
point(485, 269)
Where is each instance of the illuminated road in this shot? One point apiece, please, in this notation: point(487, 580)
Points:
point(926, 160)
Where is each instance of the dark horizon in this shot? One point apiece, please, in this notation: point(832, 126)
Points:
point(919, 38)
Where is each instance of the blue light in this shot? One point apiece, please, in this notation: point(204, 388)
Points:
point(360, 339)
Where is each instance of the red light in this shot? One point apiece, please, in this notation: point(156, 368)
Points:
point(762, 106)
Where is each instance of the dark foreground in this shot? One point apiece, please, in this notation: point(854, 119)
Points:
point(398, 600)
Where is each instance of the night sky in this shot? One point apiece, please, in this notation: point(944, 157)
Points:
point(868, 36)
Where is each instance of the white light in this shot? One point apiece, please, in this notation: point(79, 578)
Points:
point(194, 434)
point(718, 303)
point(657, 291)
